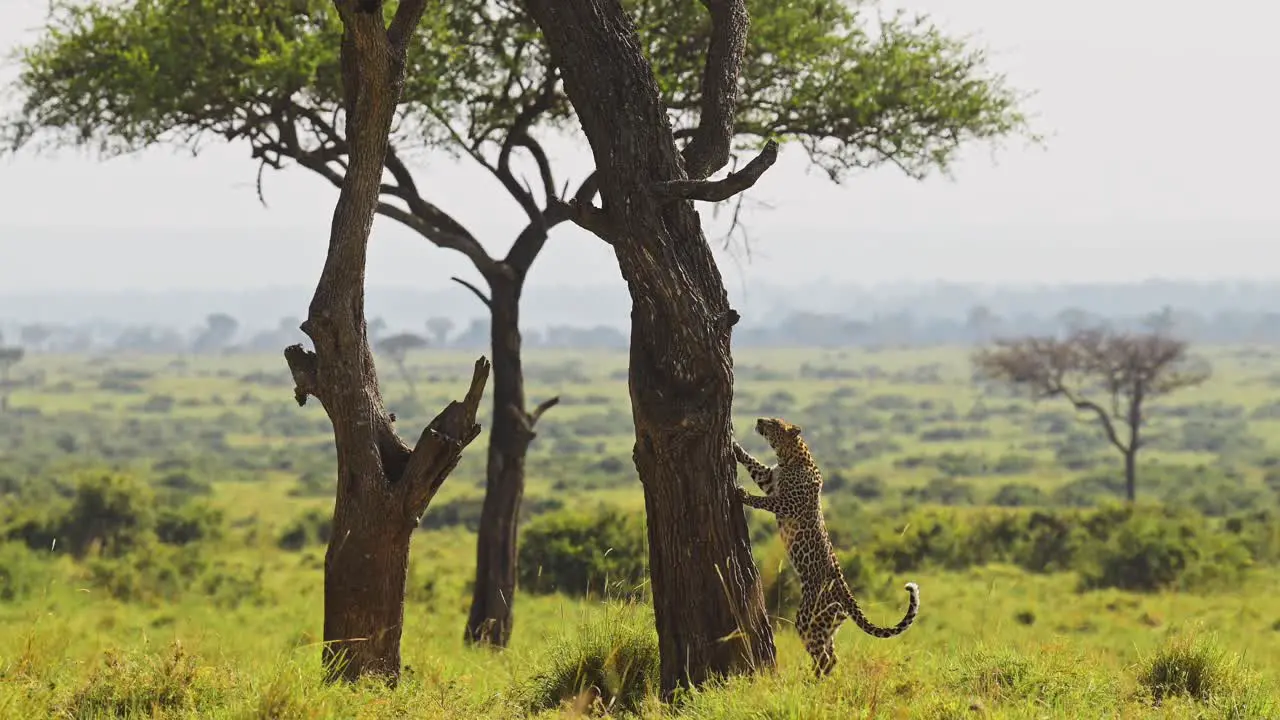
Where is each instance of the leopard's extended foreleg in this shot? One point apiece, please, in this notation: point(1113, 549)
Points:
point(761, 474)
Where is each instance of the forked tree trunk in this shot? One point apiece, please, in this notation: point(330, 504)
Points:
point(490, 620)
point(383, 485)
point(707, 598)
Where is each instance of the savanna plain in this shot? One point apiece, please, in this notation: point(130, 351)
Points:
point(163, 524)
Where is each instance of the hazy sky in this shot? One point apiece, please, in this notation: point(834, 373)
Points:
point(1160, 161)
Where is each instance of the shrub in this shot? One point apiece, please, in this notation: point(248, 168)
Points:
point(108, 511)
point(576, 551)
point(465, 512)
point(312, 526)
point(189, 523)
point(1152, 552)
point(1019, 495)
point(126, 686)
point(1190, 666)
point(608, 666)
point(21, 571)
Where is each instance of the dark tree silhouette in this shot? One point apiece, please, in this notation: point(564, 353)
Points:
point(33, 337)
point(1111, 375)
point(9, 356)
point(397, 347)
point(439, 328)
point(220, 329)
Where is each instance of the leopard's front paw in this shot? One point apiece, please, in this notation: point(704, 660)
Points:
point(740, 493)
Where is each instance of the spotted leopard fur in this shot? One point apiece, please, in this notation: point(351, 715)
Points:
point(793, 492)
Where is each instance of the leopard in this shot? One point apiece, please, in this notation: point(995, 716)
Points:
point(793, 493)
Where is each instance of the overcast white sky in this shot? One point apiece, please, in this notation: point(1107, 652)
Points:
point(1160, 162)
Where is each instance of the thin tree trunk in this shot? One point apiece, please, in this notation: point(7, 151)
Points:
point(383, 485)
point(1135, 443)
point(491, 616)
point(1131, 475)
point(709, 609)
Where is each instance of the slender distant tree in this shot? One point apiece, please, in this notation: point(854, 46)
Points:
point(1110, 375)
point(397, 347)
point(439, 328)
point(851, 89)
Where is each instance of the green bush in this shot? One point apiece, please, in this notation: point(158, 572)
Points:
point(21, 571)
point(189, 523)
point(581, 551)
point(1019, 495)
point(1152, 552)
point(108, 512)
point(1139, 549)
point(311, 527)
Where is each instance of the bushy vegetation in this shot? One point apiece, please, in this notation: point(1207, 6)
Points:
point(167, 560)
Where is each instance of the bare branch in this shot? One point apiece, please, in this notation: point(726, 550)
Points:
point(440, 446)
point(708, 151)
point(483, 298)
point(718, 190)
point(1103, 418)
point(543, 406)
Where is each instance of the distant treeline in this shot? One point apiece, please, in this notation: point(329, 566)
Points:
point(978, 324)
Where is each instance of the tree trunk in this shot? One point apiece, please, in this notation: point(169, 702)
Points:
point(383, 485)
point(1131, 475)
point(1134, 421)
point(709, 609)
point(490, 619)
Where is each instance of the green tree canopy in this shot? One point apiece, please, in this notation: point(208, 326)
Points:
point(855, 88)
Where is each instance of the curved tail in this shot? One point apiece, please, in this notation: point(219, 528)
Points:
point(913, 607)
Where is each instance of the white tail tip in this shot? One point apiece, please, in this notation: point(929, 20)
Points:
point(912, 588)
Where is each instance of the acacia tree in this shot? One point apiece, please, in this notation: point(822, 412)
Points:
point(709, 610)
point(265, 72)
point(1107, 373)
point(384, 485)
point(397, 347)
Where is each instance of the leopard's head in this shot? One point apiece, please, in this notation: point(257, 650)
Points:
point(783, 437)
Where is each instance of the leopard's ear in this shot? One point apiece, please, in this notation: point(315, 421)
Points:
point(795, 430)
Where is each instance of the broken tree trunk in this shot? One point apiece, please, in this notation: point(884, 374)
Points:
point(384, 486)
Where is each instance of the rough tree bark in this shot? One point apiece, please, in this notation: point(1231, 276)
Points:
point(709, 609)
point(383, 485)
point(490, 620)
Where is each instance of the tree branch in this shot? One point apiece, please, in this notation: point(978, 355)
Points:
point(408, 14)
point(483, 298)
point(531, 240)
point(1107, 425)
point(586, 216)
point(730, 185)
point(543, 406)
point(708, 151)
point(440, 446)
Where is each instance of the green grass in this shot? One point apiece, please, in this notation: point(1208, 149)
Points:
point(992, 642)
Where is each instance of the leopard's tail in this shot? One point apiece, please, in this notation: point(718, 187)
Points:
point(913, 607)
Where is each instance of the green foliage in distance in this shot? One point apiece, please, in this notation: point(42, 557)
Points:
point(855, 87)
